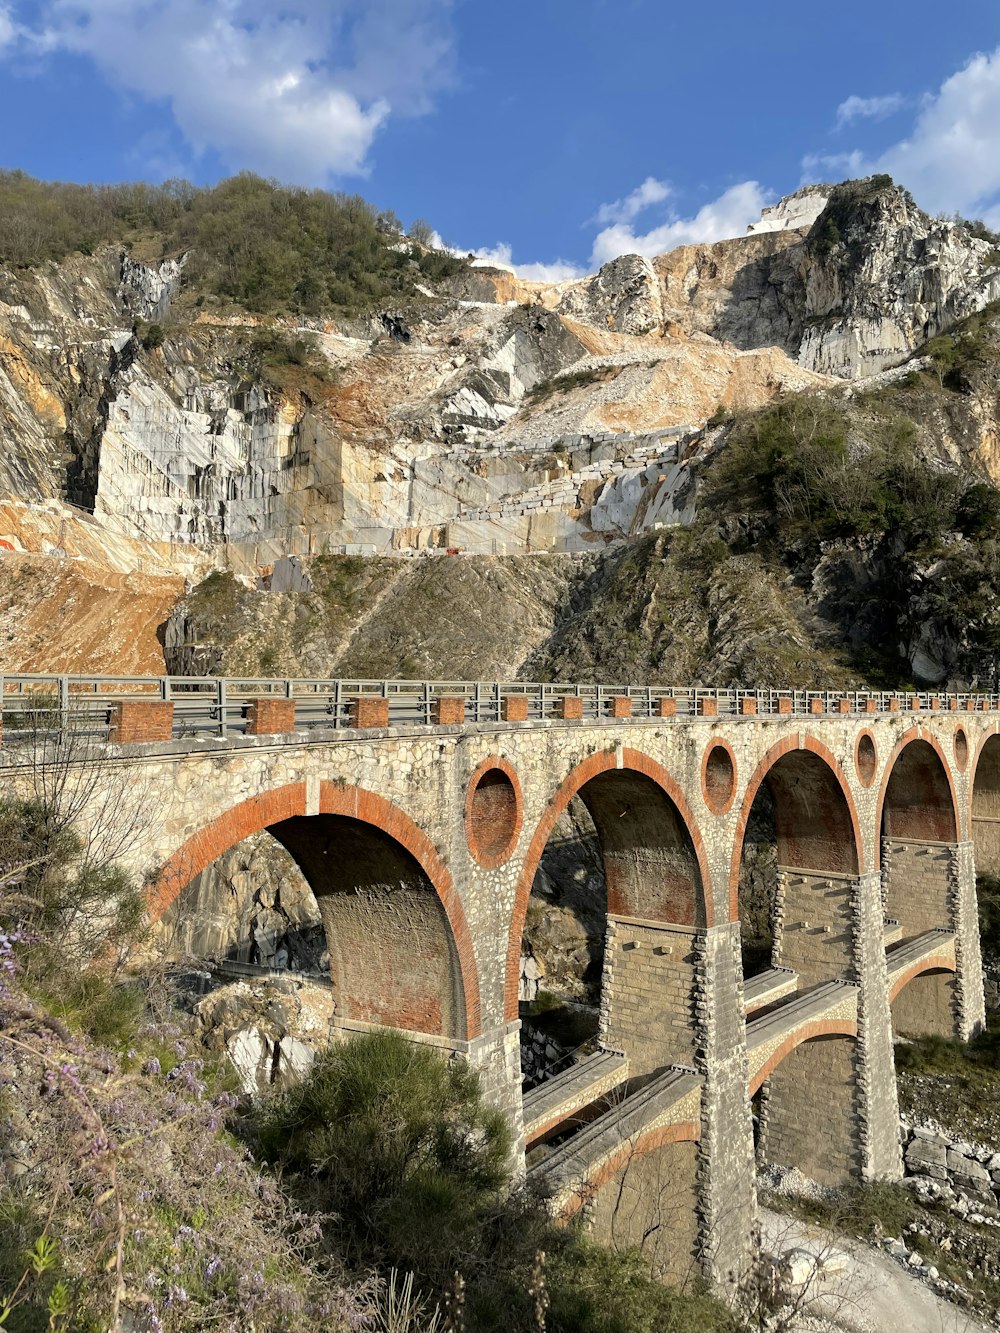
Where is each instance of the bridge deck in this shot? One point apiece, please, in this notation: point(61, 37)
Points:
point(768, 987)
point(672, 1098)
point(893, 932)
point(831, 1002)
point(912, 954)
point(554, 1102)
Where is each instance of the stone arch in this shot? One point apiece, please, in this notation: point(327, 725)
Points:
point(644, 1195)
point(809, 1104)
point(984, 805)
point(937, 963)
point(917, 796)
point(837, 847)
point(799, 817)
point(918, 821)
point(923, 999)
point(657, 834)
point(834, 1027)
point(433, 941)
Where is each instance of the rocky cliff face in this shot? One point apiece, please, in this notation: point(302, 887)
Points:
point(857, 288)
point(483, 414)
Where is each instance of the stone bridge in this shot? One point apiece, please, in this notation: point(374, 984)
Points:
point(419, 815)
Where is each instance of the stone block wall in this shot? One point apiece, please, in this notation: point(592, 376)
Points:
point(927, 1006)
point(814, 924)
point(649, 1001)
point(651, 1204)
point(917, 880)
point(809, 1112)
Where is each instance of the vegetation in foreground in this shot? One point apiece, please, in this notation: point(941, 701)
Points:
point(137, 1190)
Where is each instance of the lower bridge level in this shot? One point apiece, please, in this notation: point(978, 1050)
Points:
point(768, 891)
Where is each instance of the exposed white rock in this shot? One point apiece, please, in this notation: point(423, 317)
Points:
point(624, 295)
point(800, 209)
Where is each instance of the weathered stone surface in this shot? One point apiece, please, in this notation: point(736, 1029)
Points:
point(624, 296)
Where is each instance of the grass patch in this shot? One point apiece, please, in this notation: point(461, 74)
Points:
point(573, 379)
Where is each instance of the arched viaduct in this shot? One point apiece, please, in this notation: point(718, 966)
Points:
point(421, 836)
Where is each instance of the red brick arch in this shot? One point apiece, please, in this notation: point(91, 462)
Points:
point(591, 767)
point(973, 768)
point(832, 1027)
point(686, 1131)
point(914, 734)
point(335, 798)
point(936, 963)
point(787, 746)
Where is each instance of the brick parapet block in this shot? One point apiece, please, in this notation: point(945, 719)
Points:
point(514, 708)
point(139, 721)
point(369, 710)
point(621, 706)
point(269, 716)
point(448, 710)
point(570, 707)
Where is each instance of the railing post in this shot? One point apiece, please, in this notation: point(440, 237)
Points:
point(336, 704)
point(220, 694)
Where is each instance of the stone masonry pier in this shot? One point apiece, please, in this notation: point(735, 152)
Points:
point(419, 813)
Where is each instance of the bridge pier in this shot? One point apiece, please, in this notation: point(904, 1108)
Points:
point(970, 996)
point(727, 1180)
point(878, 1105)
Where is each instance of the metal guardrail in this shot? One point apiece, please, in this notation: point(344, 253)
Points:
point(216, 706)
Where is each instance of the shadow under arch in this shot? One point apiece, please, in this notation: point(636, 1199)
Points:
point(413, 969)
point(917, 796)
point(809, 1103)
point(984, 805)
point(648, 836)
point(918, 821)
point(830, 844)
point(643, 1194)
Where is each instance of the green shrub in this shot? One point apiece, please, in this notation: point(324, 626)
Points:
point(270, 248)
point(406, 1153)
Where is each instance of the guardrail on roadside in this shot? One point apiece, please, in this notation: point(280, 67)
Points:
point(199, 706)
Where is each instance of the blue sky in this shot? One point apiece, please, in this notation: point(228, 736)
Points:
point(551, 134)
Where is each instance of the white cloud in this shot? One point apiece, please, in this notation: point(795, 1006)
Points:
point(727, 216)
point(868, 108)
point(949, 160)
point(501, 256)
point(650, 192)
point(298, 91)
point(7, 30)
